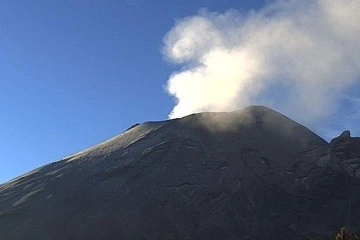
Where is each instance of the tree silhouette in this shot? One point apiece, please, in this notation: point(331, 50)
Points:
point(344, 235)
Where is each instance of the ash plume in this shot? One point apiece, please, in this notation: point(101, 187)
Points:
point(289, 55)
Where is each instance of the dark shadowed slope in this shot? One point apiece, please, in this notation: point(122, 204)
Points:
point(249, 174)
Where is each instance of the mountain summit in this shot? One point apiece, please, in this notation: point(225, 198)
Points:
point(248, 174)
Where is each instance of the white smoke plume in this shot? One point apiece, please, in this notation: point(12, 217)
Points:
point(290, 55)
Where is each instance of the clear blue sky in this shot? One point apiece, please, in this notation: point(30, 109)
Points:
point(76, 73)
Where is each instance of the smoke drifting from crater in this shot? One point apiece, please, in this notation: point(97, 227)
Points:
point(289, 55)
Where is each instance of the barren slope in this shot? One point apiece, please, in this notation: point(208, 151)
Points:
point(249, 174)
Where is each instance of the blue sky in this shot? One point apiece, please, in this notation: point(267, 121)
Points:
point(76, 73)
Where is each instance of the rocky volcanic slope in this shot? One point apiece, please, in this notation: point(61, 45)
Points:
point(249, 174)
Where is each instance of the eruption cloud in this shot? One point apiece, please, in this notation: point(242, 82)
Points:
point(289, 55)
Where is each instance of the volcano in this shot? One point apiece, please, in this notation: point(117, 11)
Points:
point(247, 174)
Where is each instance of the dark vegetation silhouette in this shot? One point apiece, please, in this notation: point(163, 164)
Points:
point(345, 235)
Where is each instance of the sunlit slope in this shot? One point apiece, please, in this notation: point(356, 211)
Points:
point(252, 173)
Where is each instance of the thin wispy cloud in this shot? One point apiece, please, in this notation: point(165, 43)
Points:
point(133, 3)
point(92, 57)
point(295, 56)
point(137, 4)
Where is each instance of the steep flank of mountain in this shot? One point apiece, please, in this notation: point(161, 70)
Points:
point(248, 174)
point(255, 127)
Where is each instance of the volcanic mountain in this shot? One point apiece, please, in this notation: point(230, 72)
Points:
point(248, 174)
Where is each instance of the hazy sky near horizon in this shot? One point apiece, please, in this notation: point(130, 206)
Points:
point(76, 73)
